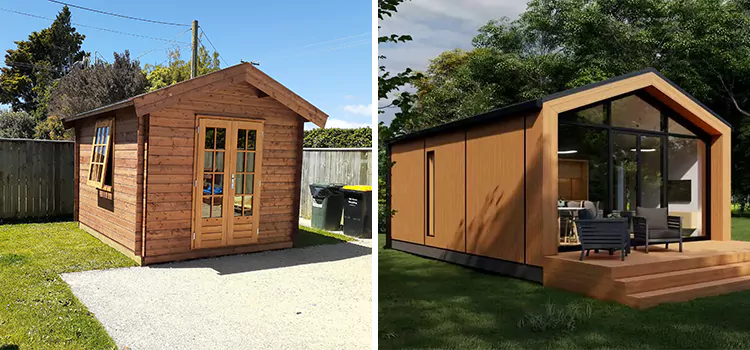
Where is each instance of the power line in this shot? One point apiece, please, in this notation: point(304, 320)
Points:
point(329, 48)
point(214, 47)
point(92, 27)
point(119, 15)
point(161, 46)
point(337, 39)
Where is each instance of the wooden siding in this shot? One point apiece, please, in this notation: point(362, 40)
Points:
point(495, 197)
point(170, 170)
point(114, 218)
point(407, 192)
point(450, 191)
point(36, 179)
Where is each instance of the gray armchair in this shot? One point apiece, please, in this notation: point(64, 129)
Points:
point(607, 234)
point(655, 226)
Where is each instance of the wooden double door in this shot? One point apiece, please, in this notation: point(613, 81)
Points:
point(227, 186)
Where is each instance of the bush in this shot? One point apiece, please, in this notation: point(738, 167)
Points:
point(555, 318)
point(338, 138)
point(16, 125)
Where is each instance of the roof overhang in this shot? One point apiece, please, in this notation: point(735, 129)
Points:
point(261, 85)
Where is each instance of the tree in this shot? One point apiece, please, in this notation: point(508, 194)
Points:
point(703, 46)
point(16, 125)
point(87, 88)
point(178, 70)
point(46, 55)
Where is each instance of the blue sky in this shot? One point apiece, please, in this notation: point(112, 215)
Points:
point(320, 50)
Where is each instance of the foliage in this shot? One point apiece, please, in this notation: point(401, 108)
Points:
point(177, 69)
point(87, 88)
point(338, 138)
point(39, 309)
point(555, 318)
point(703, 46)
point(16, 125)
point(428, 304)
point(46, 55)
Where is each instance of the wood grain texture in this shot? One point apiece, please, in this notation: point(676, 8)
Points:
point(449, 191)
point(408, 192)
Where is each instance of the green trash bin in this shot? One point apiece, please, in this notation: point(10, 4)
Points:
point(357, 213)
point(327, 204)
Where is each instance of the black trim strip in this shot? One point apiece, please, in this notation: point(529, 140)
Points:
point(505, 267)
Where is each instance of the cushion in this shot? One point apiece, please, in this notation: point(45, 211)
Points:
point(656, 218)
point(661, 234)
point(589, 211)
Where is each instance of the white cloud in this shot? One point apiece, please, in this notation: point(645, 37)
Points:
point(359, 109)
point(338, 123)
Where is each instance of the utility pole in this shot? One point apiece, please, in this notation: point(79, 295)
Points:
point(194, 57)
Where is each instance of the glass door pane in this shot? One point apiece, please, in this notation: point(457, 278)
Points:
point(651, 172)
point(625, 170)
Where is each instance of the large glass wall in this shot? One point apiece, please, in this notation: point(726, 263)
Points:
point(626, 153)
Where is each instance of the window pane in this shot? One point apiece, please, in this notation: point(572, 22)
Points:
point(210, 138)
point(635, 113)
point(206, 207)
point(208, 161)
point(675, 128)
point(250, 162)
point(625, 171)
point(651, 175)
point(219, 162)
point(251, 140)
point(240, 162)
point(106, 134)
point(241, 138)
point(592, 115)
point(582, 167)
point(216, 209)
point(207, 184)
point(685, 182)
point(218, 184)
point(97, 135)
point(221, 135)
point(248, 205)
point(249, 183)
point(237, 205)
point(239, 186)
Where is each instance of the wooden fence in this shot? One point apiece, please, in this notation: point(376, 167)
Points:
point(36, 179)
point(350, 166)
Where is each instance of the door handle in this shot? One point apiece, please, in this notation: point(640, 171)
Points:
point(232, 181)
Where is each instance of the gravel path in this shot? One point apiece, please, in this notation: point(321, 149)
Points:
point(311, 298)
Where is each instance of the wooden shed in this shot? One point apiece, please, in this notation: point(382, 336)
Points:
point(206, 167)
point(486, 191)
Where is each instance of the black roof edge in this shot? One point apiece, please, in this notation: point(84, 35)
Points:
point(475, 120)
point(537, 104)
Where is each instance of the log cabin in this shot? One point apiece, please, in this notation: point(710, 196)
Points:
point(206, 167)
point(495, 191)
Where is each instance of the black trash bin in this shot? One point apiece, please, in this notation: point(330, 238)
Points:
point(357, 213)
point(327, 204)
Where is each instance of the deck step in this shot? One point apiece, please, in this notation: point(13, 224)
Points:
point(660, 281)
point(688, 292)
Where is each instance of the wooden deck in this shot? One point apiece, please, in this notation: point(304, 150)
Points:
point(643, 280)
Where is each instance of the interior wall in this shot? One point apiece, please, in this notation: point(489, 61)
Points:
point(449, 191)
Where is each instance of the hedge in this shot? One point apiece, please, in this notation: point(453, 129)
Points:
point(338, 138)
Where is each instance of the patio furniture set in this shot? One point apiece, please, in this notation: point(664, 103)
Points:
point(586, 224)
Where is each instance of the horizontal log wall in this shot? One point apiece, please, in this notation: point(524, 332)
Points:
point(36, 179)
point(346, 166)
point(169, 179)
point(115, 218)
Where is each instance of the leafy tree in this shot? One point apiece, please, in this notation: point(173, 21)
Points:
point(177, 69)
point(704, 46)
point(16, 125)
point(36, 62)
point(338, 138)
point(87, 88)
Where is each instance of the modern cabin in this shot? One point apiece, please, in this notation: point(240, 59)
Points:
point(486, 191)
point(206, 167)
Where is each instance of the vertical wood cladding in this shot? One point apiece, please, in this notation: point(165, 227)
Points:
point(449, 190)
point(408, 192)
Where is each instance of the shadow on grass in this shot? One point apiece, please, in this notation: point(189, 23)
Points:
point(425, 303)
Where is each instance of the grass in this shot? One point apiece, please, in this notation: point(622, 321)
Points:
point(37, 309)
point(425, 303)
point(309, 236)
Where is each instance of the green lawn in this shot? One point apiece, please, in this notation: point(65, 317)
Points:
point(425, 303)
point(38, 310)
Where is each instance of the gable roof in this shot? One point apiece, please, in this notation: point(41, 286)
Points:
point(260, 84)
point(537, 104)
